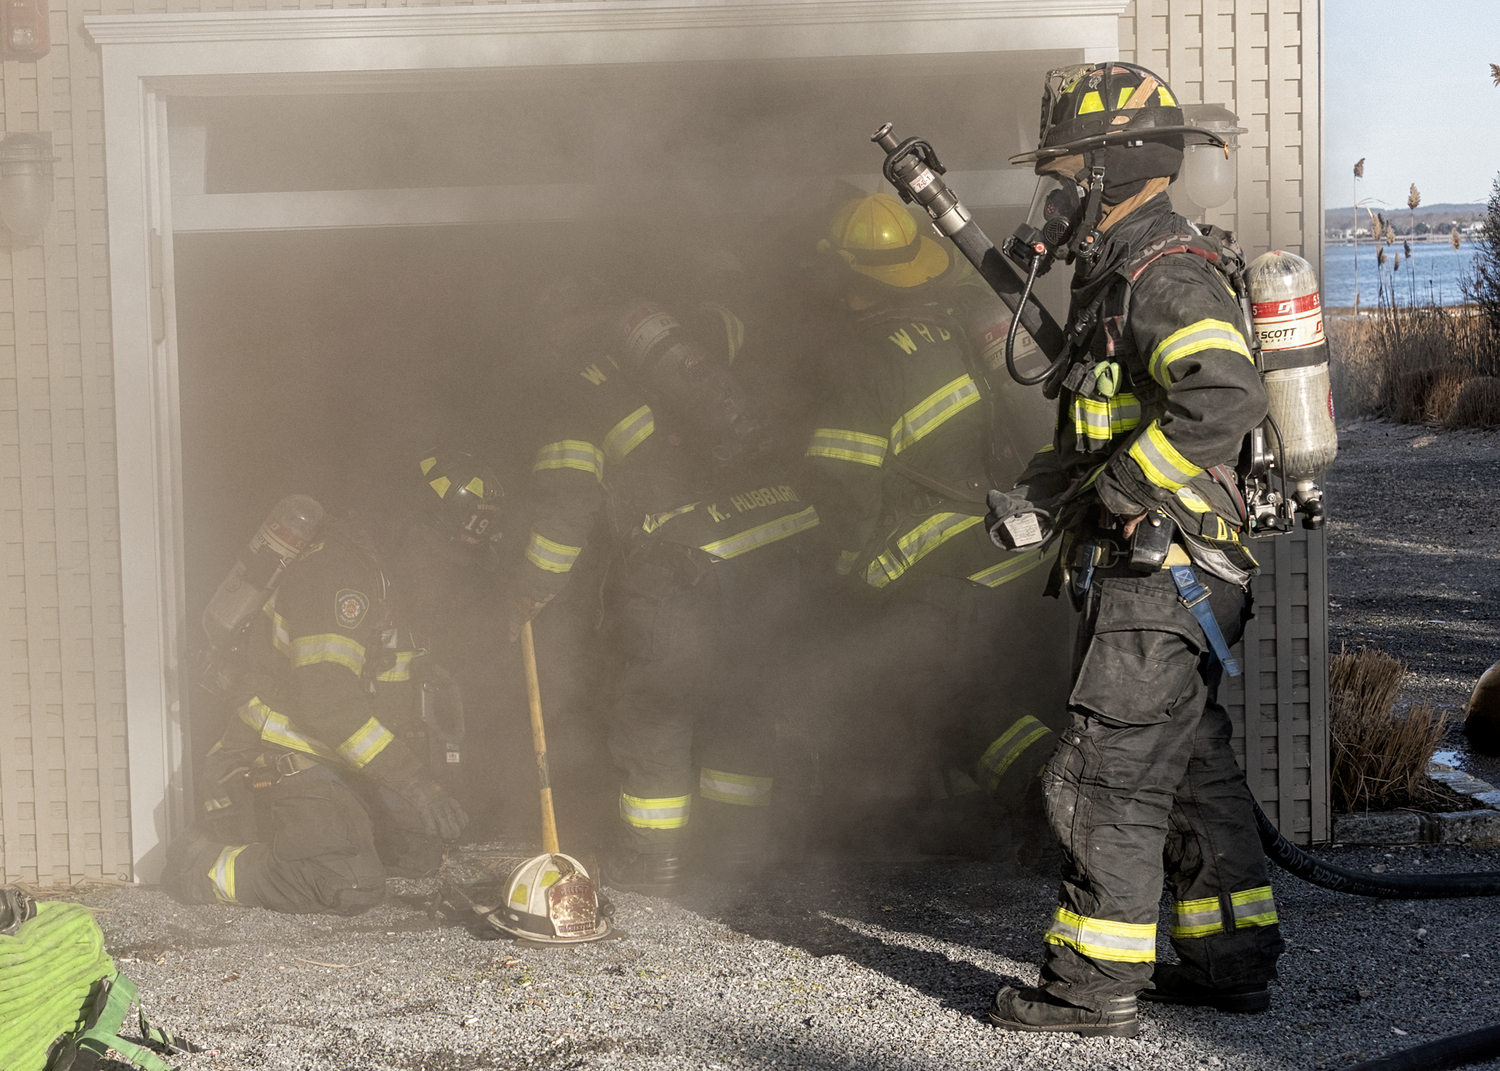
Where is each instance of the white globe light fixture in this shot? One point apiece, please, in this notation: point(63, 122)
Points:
point(1208, 171)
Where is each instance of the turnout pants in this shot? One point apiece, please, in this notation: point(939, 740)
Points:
point(1144, 786)
point(316, 844)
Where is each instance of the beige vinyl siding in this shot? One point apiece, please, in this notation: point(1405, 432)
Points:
point(64, 811)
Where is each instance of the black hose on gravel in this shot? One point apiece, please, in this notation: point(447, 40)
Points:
point(1455, 1050)
point(1289, 857)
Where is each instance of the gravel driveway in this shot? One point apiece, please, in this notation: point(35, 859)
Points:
point(845, 963)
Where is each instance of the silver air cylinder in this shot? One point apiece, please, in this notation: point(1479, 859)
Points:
point(282, 537)
point(1288, 320)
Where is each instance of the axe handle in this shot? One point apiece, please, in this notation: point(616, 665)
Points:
point(539, 739)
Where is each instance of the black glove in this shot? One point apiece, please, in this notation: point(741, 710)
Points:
point(441, 814)
point(1014, 523)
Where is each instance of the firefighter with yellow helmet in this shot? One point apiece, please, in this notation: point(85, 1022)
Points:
point(1156, 390)
point(899, 455)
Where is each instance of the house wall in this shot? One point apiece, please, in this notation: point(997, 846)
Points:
point(64, 791)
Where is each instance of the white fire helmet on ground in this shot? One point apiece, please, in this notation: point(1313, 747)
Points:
point(551, 898)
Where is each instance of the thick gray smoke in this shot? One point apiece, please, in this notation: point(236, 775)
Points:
point(327, 361)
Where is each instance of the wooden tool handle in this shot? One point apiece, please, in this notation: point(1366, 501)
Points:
point(539, 739)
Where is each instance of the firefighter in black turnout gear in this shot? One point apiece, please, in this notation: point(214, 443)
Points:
point(314, 797)
point(659, 459)
point(899, 456)
point(1156, 390)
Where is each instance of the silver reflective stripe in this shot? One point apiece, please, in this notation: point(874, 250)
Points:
point(365, 743)
point(1197, 918)
point(1008, 570)
point(222, 874)
point(1253, 907)
point(275, 728)
point(1002, 754)
point(929, 414)
point(1126, 942)
point(1195, 338)
point(1160, 461)
point(1091, 419)
point(551, 556)
point(1124, 413)
point(401, 671)
point(570, 454)
point(734, 788)
point(844, 445)
point(916, 545)
point(328, 647)
point(628, 434)
point(667, 812)
point(763, 534)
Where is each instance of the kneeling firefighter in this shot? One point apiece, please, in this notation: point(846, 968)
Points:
point(907, 443)
point(1157, 390)
point(314, 797)
point(655, 437)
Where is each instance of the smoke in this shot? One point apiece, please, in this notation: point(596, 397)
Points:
point(329, 361)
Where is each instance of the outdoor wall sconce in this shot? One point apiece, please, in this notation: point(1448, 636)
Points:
point(1207, 171)
point(24, 33)
point(26, 186)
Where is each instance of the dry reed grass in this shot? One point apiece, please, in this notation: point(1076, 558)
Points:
point(1477, 405)
point(1379, 757)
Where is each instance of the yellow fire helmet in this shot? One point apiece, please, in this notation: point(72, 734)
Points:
point(877, 237)
point(551, 899)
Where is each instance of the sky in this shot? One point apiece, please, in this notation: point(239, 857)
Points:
point(1407, 86)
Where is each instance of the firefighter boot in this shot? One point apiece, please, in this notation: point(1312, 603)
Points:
point(188, 871)
point(1038, 1010)
point(1172, 986)
point(649, 873)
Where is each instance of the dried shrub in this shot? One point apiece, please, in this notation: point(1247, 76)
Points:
point(1380, 756)
point(1477, 405)
point(1409, 363)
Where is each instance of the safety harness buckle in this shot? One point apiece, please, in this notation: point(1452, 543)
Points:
point(1192, 594)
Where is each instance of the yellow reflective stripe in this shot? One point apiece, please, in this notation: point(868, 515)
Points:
point(551, 556)
point(929, 414)
point(734, 329)
point(1008, 570)
point(222, 874)
point(1091, 419)
point(843, 445)
point(654, 521)
point(734, 788)
point(763, 534)
point(1125, 942)
point(1192, 500)
point(275, 728)
point(1160, 461)
point(1124, 413)
point(401, 671)
point(1195, 338)
point(667, 812)
point(1006, 749)
point(281, 635)
point(1254, 907)
point(570, 454)
point(365, 743)
point(1197, 918)
point(628, 434)
point(328, 647)
point(916, 545)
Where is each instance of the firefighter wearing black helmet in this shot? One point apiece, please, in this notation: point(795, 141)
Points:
point(899, 456)
point(1156, 391)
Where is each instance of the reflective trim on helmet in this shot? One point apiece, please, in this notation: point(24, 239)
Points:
point(916, 545)
point(327, 647)
point(1253, 907)
point(570, 454)
point(1008, 570)
point(1007, 748)
point(365, 743)
point(1195, 338)
point(667, 812)
point(222, 873)
point(550, 556)
point(763, 534)
point(734, 788)
point(401, 671)
point(628, 434)
point(930, 413)
point(276, 728)
point(1125, 942)
point(1160, 461)
point(844, 445)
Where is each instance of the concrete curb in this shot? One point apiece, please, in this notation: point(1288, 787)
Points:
point(1479, 828)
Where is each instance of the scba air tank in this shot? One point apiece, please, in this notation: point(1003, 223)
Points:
point(282, 537)
point(1288, 319)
